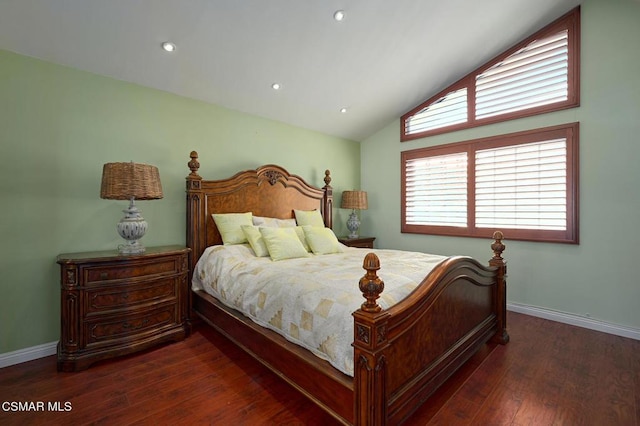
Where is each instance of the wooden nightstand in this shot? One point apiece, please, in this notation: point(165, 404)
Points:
point(113, 304)
point(362, 242)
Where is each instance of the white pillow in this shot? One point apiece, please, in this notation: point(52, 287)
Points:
point(273, 222)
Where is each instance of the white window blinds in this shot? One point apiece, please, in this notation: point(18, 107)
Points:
point(534, 76)
point(522, 186)
point(446, 111)
point(436, 190)
point(523, 183)
point(538, 75)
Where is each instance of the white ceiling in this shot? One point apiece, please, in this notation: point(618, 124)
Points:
point(384, 58)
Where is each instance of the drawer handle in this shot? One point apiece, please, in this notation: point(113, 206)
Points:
point(104, 275)
point(133, 327)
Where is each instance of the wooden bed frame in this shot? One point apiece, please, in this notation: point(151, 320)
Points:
point(401, 355)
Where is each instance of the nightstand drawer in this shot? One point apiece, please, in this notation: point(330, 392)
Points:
point(110, 330)
point(101, 299)
point(117, 271)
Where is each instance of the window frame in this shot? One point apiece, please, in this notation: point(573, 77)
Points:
point(569, 22)
point(568, 131)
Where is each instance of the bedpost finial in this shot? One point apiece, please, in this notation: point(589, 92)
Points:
point(371, 262)
point(327, 177)
point(194, 165)
point(370, 284)
point(497, 246)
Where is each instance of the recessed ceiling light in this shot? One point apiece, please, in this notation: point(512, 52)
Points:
point(343, 110)
point(276, 86)
point(168, 46)
point(338, 15)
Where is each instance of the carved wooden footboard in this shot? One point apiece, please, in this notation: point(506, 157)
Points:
point(402, 354)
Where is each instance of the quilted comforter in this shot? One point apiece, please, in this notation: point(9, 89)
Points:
point(308, 300)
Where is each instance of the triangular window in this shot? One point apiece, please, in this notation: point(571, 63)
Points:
point(538, 75)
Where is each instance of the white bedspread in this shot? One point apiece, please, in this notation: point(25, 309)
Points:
point(309, 300)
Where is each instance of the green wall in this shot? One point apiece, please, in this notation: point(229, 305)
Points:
point(596, 278)
point(58, 126)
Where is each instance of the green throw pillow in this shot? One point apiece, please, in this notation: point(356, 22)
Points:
point(255, 240)
point(322, 240)
point(230, 226)
point(309, 218)
point(283, 243)
point(303, 239)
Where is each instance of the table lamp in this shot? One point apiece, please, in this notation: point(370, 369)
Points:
point(131, 181)
point(354, 200)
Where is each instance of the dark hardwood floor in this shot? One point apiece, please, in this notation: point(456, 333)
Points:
point(549, 374)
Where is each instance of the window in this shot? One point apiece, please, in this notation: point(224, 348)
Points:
point(524, 184)
point(446, 111)
point(540, 74)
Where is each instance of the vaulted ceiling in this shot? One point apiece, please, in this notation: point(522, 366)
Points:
point(382, 59)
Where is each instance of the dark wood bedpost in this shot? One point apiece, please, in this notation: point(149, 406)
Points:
point(501, 288)
point(195, 212)
point(370, 342)
point(327, 200)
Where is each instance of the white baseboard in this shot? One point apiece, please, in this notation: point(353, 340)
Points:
point(47, 349)
point(572, 319)
point(27, 354)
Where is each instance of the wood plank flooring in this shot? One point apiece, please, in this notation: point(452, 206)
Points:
point(549, 374)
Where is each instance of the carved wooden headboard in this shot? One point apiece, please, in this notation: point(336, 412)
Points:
point(268, 191)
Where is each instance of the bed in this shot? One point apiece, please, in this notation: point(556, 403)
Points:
point(401, 354)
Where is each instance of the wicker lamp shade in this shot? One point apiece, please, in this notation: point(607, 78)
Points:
point(354, 200)
point(131, 181)
point(122, 181)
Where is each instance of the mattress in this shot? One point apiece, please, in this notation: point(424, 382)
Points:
point(307, 300)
